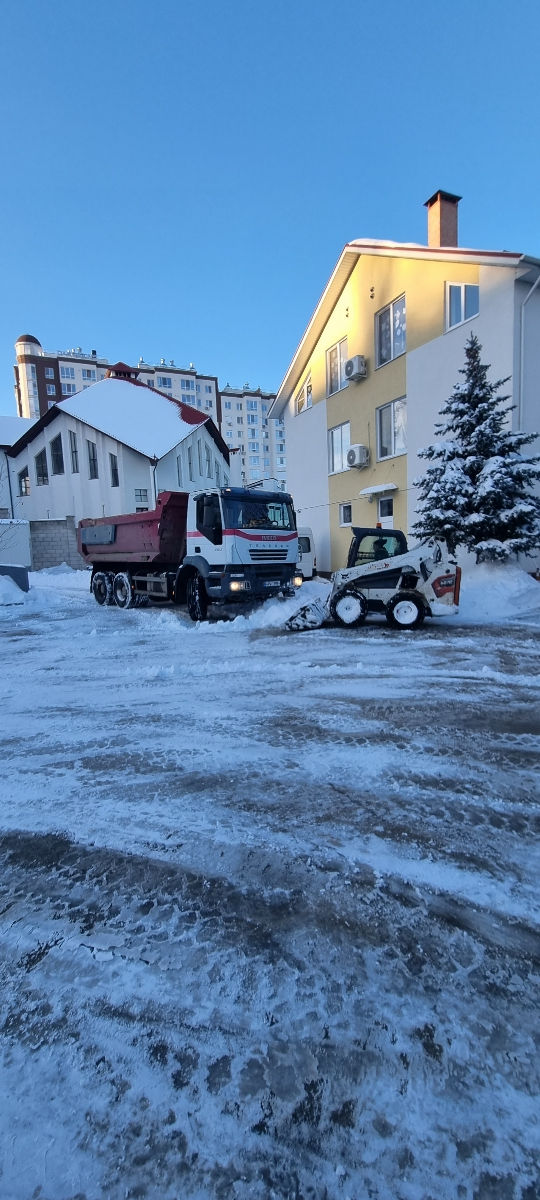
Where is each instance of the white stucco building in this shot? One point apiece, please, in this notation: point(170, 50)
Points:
point(111, 449)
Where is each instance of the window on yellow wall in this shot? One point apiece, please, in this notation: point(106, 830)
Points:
point(339, 440)
point(303, 399)
point(390, 332)
point(392, 429)
point(336, 358)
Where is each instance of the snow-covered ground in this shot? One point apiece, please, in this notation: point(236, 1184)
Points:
point(270, 926)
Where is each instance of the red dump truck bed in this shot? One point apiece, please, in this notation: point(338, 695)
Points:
point(158, 536)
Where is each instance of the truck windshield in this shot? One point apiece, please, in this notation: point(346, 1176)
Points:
point(256, 513)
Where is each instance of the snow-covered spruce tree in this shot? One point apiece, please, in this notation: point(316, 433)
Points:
point(476, 491)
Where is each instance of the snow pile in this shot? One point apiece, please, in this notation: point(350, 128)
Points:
point(494, 592)
point(10, 593)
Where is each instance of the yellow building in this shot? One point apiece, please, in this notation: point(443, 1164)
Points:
point(379, 358)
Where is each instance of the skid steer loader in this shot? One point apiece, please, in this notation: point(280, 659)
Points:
point(384, 576)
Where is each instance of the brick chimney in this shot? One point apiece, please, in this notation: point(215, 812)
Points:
point(442, 219)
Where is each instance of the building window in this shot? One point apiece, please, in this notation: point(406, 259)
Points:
point(336, 357)
point(88, 374)
point(252, 420)
point(252, 405)
point(386, 511)
point(239, 420)
point(188, 385)
point(208, 462)
point(51, 389)
point(179, 469)
point(57, 456)
point(390, 332)
point(392, 429)
point(199, 455)
point(42, 474)
point(92, 460)
point(254, 447)
point(280, 462)
point(32, 371)
point(227, 404)
point(113, 464)
point(254, 460)
point(208, 387)
point(345, 514)
point(190, 462)
point(217, 472)
point(339, 440)
point(164, 381)
point(49, 372)
point(73, 452)
point(68, 389)
point(24, 482)
point(303, 399)
point(141, 496)
point(67, 372)
point(239, 406)
point(462, 303)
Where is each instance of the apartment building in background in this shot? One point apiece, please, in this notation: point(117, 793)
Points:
point(44, 378)
point(380, 357)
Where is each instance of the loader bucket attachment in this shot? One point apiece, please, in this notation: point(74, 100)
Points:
point(310, 616)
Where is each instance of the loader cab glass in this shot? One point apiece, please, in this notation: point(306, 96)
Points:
point(208, 519)
point(375, 545)
point(256, 513)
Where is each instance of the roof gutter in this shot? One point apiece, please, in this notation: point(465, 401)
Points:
point(522, 349)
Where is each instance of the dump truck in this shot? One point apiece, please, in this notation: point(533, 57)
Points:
point(383, 575)
point(213, 547)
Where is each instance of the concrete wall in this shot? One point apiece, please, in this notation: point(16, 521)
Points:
point(55, 542)
point(15, 543)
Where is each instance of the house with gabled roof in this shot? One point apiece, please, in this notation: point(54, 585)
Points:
point(109, 449)
point(379, 358)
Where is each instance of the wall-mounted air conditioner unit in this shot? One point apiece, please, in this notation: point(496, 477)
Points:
point(355, 368)
point(357, 456)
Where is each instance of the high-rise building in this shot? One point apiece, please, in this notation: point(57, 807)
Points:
point(45, 377)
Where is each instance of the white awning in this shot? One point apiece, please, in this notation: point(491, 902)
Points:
point(378, 488)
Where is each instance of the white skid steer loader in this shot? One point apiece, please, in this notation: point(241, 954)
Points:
point(384, 576)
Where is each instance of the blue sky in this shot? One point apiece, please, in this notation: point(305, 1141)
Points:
point(179, 178)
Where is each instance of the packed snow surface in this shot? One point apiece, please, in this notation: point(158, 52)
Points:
point(269, 901)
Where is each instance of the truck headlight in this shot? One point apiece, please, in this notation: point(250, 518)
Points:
point(240, 585)
point(298, 580)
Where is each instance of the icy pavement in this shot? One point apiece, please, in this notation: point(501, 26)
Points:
point(269, 910)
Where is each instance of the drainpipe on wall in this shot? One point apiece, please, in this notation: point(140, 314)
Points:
point(522, 348)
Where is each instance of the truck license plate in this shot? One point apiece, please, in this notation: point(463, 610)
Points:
point(271, 583)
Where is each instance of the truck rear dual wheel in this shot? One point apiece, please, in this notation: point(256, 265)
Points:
point(349, 607)
point(197, 600)
point(122, 589)
point(405, 611)
point(102, 588)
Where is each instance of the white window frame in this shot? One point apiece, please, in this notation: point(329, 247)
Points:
point(395, 428)
point(392, 311)
point(463, 297)
point(67, 372)
point(385, 511)
point(73, 452)
point(341, 348)
point(343, 521)
point(344, 443)
point(304, 397)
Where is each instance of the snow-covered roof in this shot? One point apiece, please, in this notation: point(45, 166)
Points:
point(12, 428)
point(132, 413)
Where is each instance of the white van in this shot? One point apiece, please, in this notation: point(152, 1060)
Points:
point(307, 562)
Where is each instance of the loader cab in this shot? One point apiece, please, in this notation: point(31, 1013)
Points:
point(371, 545)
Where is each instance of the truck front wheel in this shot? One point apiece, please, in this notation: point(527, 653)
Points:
point(197, 600)
point(123, 590)
point(405, 611)
point(349, 607)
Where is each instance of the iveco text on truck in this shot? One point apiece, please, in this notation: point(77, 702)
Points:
point(197, 548)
